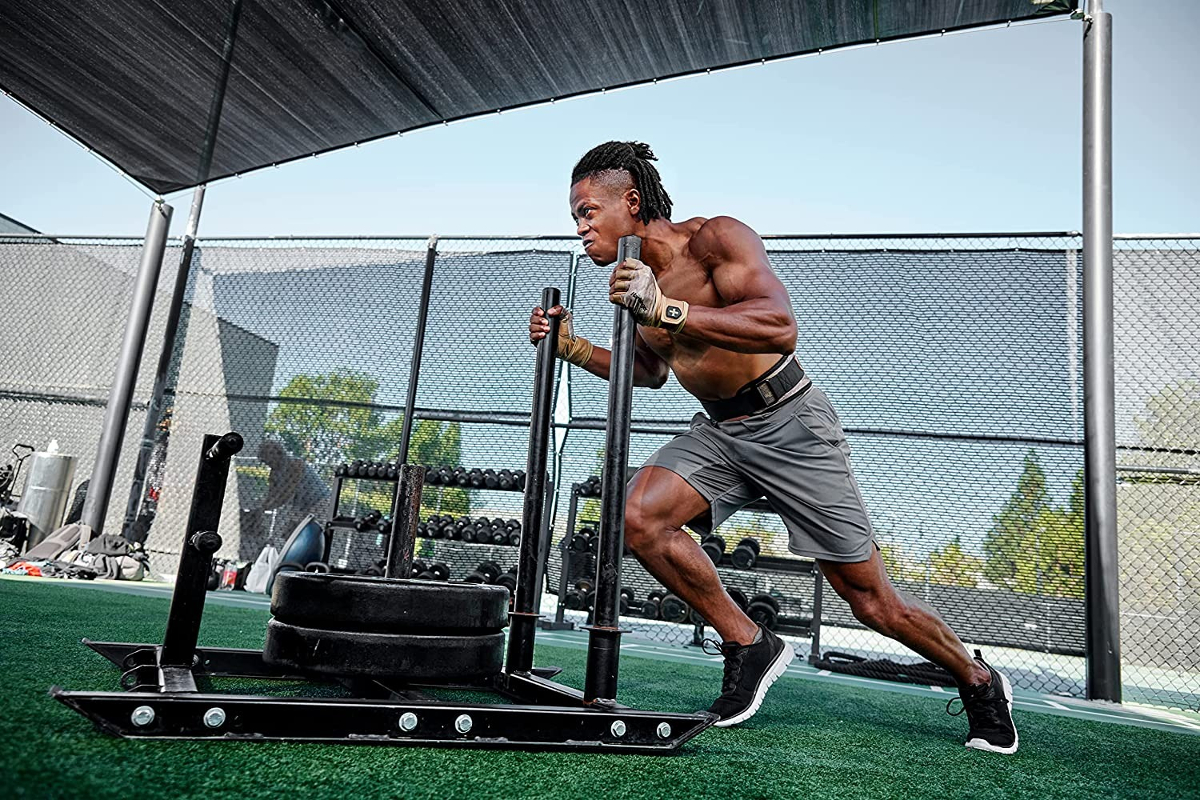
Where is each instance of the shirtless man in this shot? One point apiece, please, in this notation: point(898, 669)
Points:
point(710, 309)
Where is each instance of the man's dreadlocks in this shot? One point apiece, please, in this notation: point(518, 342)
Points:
point(633, 158)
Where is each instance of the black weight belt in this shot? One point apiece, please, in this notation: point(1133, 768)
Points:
point(761, 394)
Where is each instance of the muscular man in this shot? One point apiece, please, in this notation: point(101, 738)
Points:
point(710, 309)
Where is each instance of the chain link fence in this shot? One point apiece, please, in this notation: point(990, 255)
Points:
point(955, 363)
point(1156, 284)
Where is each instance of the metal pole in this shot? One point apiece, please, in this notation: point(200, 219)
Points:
point(1099, 410)
point(116, 413)
point(414, 372)
point(162, 372)
point(604, 636)
point(524, 615)
point(406, 513)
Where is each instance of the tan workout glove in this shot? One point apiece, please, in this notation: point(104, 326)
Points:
point(632, 285)
point(571, 348)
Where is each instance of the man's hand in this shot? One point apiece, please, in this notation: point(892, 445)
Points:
point(632, 285)
point(570, 348)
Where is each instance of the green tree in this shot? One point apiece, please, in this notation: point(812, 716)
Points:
point(335, 419)
point(953, 566)
point(1034, 547)
point(1013, 527)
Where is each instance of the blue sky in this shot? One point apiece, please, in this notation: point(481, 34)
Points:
point(971, 132)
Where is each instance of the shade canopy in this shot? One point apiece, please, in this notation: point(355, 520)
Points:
point(176, 94)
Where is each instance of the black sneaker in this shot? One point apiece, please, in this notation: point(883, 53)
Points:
point(989, 712)
point(750, 669)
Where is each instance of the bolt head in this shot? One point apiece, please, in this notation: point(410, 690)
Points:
point(463, 724)
point(664, 730)
point(142, 716)
point(618, 727)
point(408, 721)
point(214, 717)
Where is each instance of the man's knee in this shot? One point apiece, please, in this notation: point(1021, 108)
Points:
point(642, 529)
point(878, 612)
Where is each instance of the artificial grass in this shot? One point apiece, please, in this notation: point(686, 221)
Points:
point(810, 740)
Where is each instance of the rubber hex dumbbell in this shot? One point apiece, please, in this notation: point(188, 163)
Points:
point(745, 555)
point(627, 601)
point(491, 569)
point(509, 579)
point(418, 566)
point(581, 539)
point(673, 609)
point(713, 547)
point(368, 521)
point(573, 599)
point(490, 480)
point(739, 597)
point(764, 610)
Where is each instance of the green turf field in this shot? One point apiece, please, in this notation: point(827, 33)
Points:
point(813, 738)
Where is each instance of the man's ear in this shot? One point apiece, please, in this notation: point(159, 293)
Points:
point(633, 198)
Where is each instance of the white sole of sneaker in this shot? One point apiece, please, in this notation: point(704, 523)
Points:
point(982, 744)
point(777, 668)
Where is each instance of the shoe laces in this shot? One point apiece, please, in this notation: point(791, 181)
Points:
point(734, 654)
point(982, 711)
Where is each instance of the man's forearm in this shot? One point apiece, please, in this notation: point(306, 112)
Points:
point(753, 326)
point(601, 362)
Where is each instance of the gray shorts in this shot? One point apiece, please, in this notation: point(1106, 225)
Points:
point(796, 456)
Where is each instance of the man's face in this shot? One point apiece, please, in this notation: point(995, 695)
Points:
point(603, 212)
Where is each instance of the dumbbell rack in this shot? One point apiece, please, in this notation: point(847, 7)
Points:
point(791, 625)
point(448, 550)
point(162, 699)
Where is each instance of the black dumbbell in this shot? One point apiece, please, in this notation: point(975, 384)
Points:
point(508, 580)
point(579, 542)
point(340, 470)
point(713, 547)
point(628, 600)
point(440, 571)
point(353, 468)
point(745, 555)
point(418, 566)
point(764, 610)
point(489, 568)
point(514, 532)
point(445, 476)
point(519, 479)
point(594, 545)
point(431, 476)
point(367, 521)
point(573, 600)
point(461, 476)
point(490, 481)
point(475, 478)
point(504, 479)
point(738, 597)
point(673, 609)
point(393, 472)
point(650, 606)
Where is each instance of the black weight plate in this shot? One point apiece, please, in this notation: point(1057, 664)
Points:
point(368, 603)
point(394, 655)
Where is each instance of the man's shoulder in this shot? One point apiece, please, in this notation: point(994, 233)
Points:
point(720, 237)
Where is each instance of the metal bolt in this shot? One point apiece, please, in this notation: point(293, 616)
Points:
point(142, 716)
point(618, 727)
point(463, 724)
point(214, 717)
point(408, 721)
point(664, 730)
